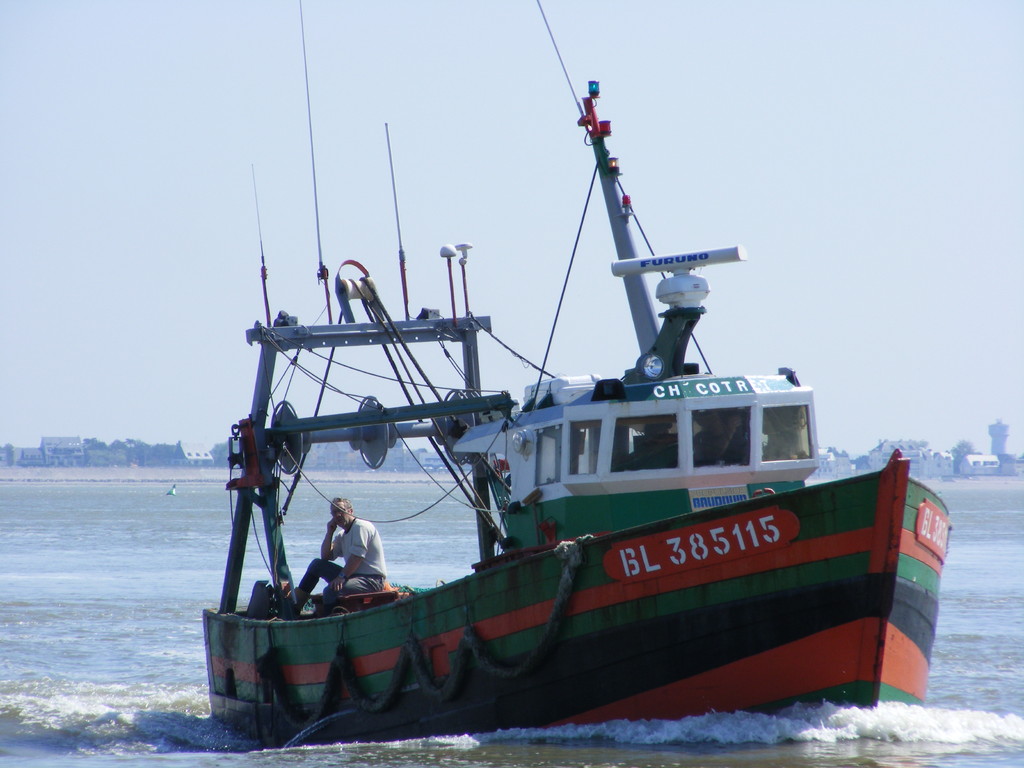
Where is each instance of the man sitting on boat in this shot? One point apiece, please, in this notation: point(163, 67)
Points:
point(358, 545)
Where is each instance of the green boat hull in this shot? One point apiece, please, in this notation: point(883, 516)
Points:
point(826, 593)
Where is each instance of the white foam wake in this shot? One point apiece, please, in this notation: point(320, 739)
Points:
point(825, 723)
point(93, 718)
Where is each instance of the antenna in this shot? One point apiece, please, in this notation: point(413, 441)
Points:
point(263, 262)
point(321, 272)
point(448, 253)
point(558, 53)
point(464, 249)
point(398, 225)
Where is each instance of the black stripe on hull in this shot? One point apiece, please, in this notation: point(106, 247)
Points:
point(915, 613)
point(588, 672)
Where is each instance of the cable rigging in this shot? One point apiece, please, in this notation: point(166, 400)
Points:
point(263, 261)
point(321, 272)
point(558, 53)
point(565, 282)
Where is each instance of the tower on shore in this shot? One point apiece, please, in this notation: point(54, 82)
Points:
point(998, 432)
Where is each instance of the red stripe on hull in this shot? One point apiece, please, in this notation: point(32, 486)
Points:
point(795, 669)
point(798, 553)
point(910, 546)
point(305, 674)
point(243, 670)
point(904, 666)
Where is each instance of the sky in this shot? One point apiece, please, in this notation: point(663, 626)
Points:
point(869, 156)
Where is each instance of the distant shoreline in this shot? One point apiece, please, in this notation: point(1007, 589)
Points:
point(170, 475)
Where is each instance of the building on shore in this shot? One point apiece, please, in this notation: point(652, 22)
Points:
point(193, 455)
point(980, 465)
point(62, 451)
point(833, 464)
point(924, 462)
point(29, 457)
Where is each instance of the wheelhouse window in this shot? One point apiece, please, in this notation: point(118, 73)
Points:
point(584, 441)
point(549, 454)
point(645, 442)
point(785, 433)
point(721, 437)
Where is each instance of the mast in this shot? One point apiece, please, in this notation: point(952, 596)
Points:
point(645, 321)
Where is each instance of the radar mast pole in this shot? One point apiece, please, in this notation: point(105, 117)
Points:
point(641, 308)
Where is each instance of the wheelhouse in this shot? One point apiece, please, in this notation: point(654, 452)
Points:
point(654, 449)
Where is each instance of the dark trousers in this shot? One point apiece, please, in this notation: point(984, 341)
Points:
point(328, 570)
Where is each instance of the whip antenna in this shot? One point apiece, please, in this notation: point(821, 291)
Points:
point(321, 272)
point(559, 55)
point(398, 225)
point(263, 261)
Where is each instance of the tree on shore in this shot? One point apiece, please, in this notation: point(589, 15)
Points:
point(220, 454)
point(128, 453)
point(961, 449)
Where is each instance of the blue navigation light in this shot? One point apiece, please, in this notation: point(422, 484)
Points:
point(594, 88)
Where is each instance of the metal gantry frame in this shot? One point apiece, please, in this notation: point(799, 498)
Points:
point(260, 440)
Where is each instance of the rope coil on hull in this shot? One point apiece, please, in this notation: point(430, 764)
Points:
point(446, 688)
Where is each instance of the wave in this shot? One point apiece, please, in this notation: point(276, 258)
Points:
point(88, 718)
point(62, 717)
point(822, 723)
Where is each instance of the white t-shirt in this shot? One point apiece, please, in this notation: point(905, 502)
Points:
point(362, 540)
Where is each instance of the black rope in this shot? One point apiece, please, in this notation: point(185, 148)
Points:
point(378, 313)
point(427, 508)
point(409, 381)
point(301, 462)
point(636, 219)
point(707, 365)
point(568, 271)
point(558, 53)
point(516, 354)
point(294, 364)
point(462, 481)
point(451, 360)
point(445, 688)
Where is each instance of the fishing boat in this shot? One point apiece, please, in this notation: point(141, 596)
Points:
point(649, 545)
